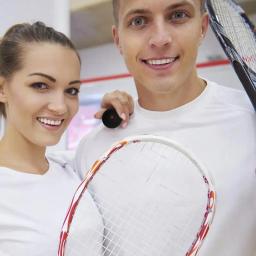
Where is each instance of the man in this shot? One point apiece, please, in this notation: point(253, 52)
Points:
point(159, 41)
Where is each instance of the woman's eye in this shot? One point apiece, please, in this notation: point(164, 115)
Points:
point(72, 91)
point(39, 86)
point(138, 21)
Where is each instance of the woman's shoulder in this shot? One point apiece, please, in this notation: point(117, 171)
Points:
point(62, 159)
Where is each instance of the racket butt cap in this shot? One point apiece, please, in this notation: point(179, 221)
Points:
point(111, 119)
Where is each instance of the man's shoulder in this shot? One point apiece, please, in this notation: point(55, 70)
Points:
point(92, 146)
point(98, 133)
point(229, 97)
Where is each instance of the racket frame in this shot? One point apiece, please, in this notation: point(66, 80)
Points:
point(246, 75)
point(211, 200)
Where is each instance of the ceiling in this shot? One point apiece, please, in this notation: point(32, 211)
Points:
point(91, 21)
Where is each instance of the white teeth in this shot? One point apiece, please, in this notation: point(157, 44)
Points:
point(161, 61)
point(49, 122)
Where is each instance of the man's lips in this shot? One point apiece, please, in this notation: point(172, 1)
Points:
point(159, 63)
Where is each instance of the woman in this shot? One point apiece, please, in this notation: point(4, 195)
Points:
point(39, 86)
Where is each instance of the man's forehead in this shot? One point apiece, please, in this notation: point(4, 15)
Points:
point(158, 1)
point(147, 3)
point(127, 6)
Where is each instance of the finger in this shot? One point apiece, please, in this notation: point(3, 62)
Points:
point(126, 101)
point(130, 104)
point(121, 109)
point(127, 110)
point(108, 98)
point(121, 101)
point(122, 96)
point(99, 113)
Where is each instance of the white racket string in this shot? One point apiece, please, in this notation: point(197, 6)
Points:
point(140, 222)
point(237, 30)
point(146, 196)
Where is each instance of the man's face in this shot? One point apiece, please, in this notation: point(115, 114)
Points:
point(159, 41)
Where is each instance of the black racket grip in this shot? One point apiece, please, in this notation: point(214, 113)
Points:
point(111, 119)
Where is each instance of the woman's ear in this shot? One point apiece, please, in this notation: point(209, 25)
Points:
point(3, 95)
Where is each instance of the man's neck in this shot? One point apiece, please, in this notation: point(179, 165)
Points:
point(164, 101)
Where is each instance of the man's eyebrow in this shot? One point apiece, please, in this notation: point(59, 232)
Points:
point(43, 75)
point(142, 11)
point(179, 4)
point(137, 11)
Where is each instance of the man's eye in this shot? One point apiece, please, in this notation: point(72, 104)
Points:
point(39, 86)
point(72, 91)
point(138, 21)
point(178, 15)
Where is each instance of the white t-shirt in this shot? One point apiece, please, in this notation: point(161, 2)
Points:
point(33, 208)
point(219, 127)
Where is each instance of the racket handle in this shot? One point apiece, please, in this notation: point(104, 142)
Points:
point(111, 119)
point(246, 81)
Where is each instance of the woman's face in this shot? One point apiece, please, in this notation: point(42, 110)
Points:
point(42, 98)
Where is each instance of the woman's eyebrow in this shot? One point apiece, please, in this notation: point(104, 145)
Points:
point(75, 82)
point(43, 75)
point(53, 79)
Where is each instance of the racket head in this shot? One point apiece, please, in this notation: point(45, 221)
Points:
point(237, 36)
point(141, 208)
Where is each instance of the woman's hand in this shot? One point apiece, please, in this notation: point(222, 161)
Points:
point(121, 101)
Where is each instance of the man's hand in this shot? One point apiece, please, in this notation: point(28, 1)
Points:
point(121, 101)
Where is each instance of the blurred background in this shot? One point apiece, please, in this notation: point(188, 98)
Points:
point(88, 23)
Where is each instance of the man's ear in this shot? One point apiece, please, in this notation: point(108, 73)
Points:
point(3, 95)
point(116, 38)
point(205, 25)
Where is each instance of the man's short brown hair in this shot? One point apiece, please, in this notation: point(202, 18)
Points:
point(115, 4)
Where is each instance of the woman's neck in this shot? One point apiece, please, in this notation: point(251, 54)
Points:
point(22, 155)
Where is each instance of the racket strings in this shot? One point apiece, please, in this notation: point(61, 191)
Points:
point(237, 30)
point(113, 242)
point(140, 222)
point(146, 208)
